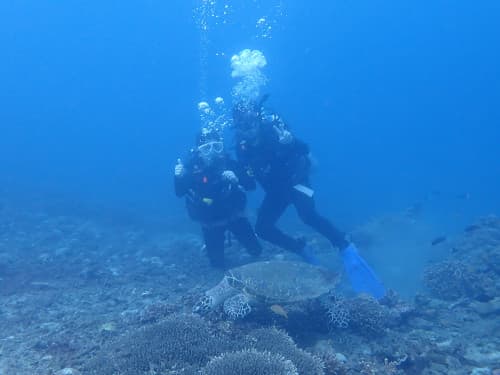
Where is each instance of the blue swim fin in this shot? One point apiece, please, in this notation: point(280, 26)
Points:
point(361, 275)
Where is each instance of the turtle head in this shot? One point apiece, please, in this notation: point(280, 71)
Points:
point(204, 305)
point(234, 282)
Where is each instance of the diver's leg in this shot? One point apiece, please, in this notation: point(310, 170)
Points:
point(214, 242)
point(306, 210)
point(271, 209)
point(244, 233)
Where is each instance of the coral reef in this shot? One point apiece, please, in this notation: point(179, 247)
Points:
point(249, 362)
point(186, 343)
point(336, 310)
point(333, 365)
point(155, 312)
point(367, 316)
point(80, 296)
point(363, 315)
point(278, 341)
point(472, 270)
point(451, 279)
point(179, 341)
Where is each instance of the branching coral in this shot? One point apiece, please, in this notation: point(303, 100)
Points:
point(179, 341)
point(363, 314)
point(367, 316)
point(338, 315)
point(476, 274)
point(278, 341)
point(451, 279)
point(249, 362)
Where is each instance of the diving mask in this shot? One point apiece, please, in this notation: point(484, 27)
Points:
point(210, 148)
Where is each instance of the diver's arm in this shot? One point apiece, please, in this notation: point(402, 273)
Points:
point(282, 140)
point(301, 148)
point(244, 174)
point(286, 139)
point(182, 179)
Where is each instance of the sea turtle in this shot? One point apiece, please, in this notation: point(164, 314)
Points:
point(270, 282)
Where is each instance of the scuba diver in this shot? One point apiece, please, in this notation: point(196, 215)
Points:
point(215, 196)
point(280, 162)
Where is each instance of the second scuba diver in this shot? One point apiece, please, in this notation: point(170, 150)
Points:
point(279, 161)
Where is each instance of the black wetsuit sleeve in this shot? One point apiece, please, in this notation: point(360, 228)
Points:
point(244, 166)
point(247, 180)
point(300, 147)
point(271, 138)
point(244, 174)
point(296, 146)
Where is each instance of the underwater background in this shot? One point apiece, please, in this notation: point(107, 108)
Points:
point(398, 102)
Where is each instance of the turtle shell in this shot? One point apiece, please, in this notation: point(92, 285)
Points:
point(282, 281)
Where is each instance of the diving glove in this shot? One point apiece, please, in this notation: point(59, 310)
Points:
point(284, 136)
point(230, 176)
point(179, 168)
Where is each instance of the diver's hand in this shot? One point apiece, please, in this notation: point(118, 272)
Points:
point(179, 168)
point(230, 176)
point(284, 136)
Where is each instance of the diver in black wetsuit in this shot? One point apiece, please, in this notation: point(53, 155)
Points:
point(280, 163)
point(215, 197)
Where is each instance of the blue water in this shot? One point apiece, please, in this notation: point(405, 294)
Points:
point(398, 102)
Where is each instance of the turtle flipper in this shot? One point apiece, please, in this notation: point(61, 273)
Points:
point(214, 297)
point(238, 306)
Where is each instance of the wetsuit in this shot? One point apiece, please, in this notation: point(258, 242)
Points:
point(281, 169)
point(217, 204)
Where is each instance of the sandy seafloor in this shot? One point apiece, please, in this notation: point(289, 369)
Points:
point(79, 296)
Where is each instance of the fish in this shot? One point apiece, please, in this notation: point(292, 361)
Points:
point(108, 327)
point(436, 193)
point(438, 240)
point(414, 210)
point(472, 228)
point(279, 310)
point(464, 196)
